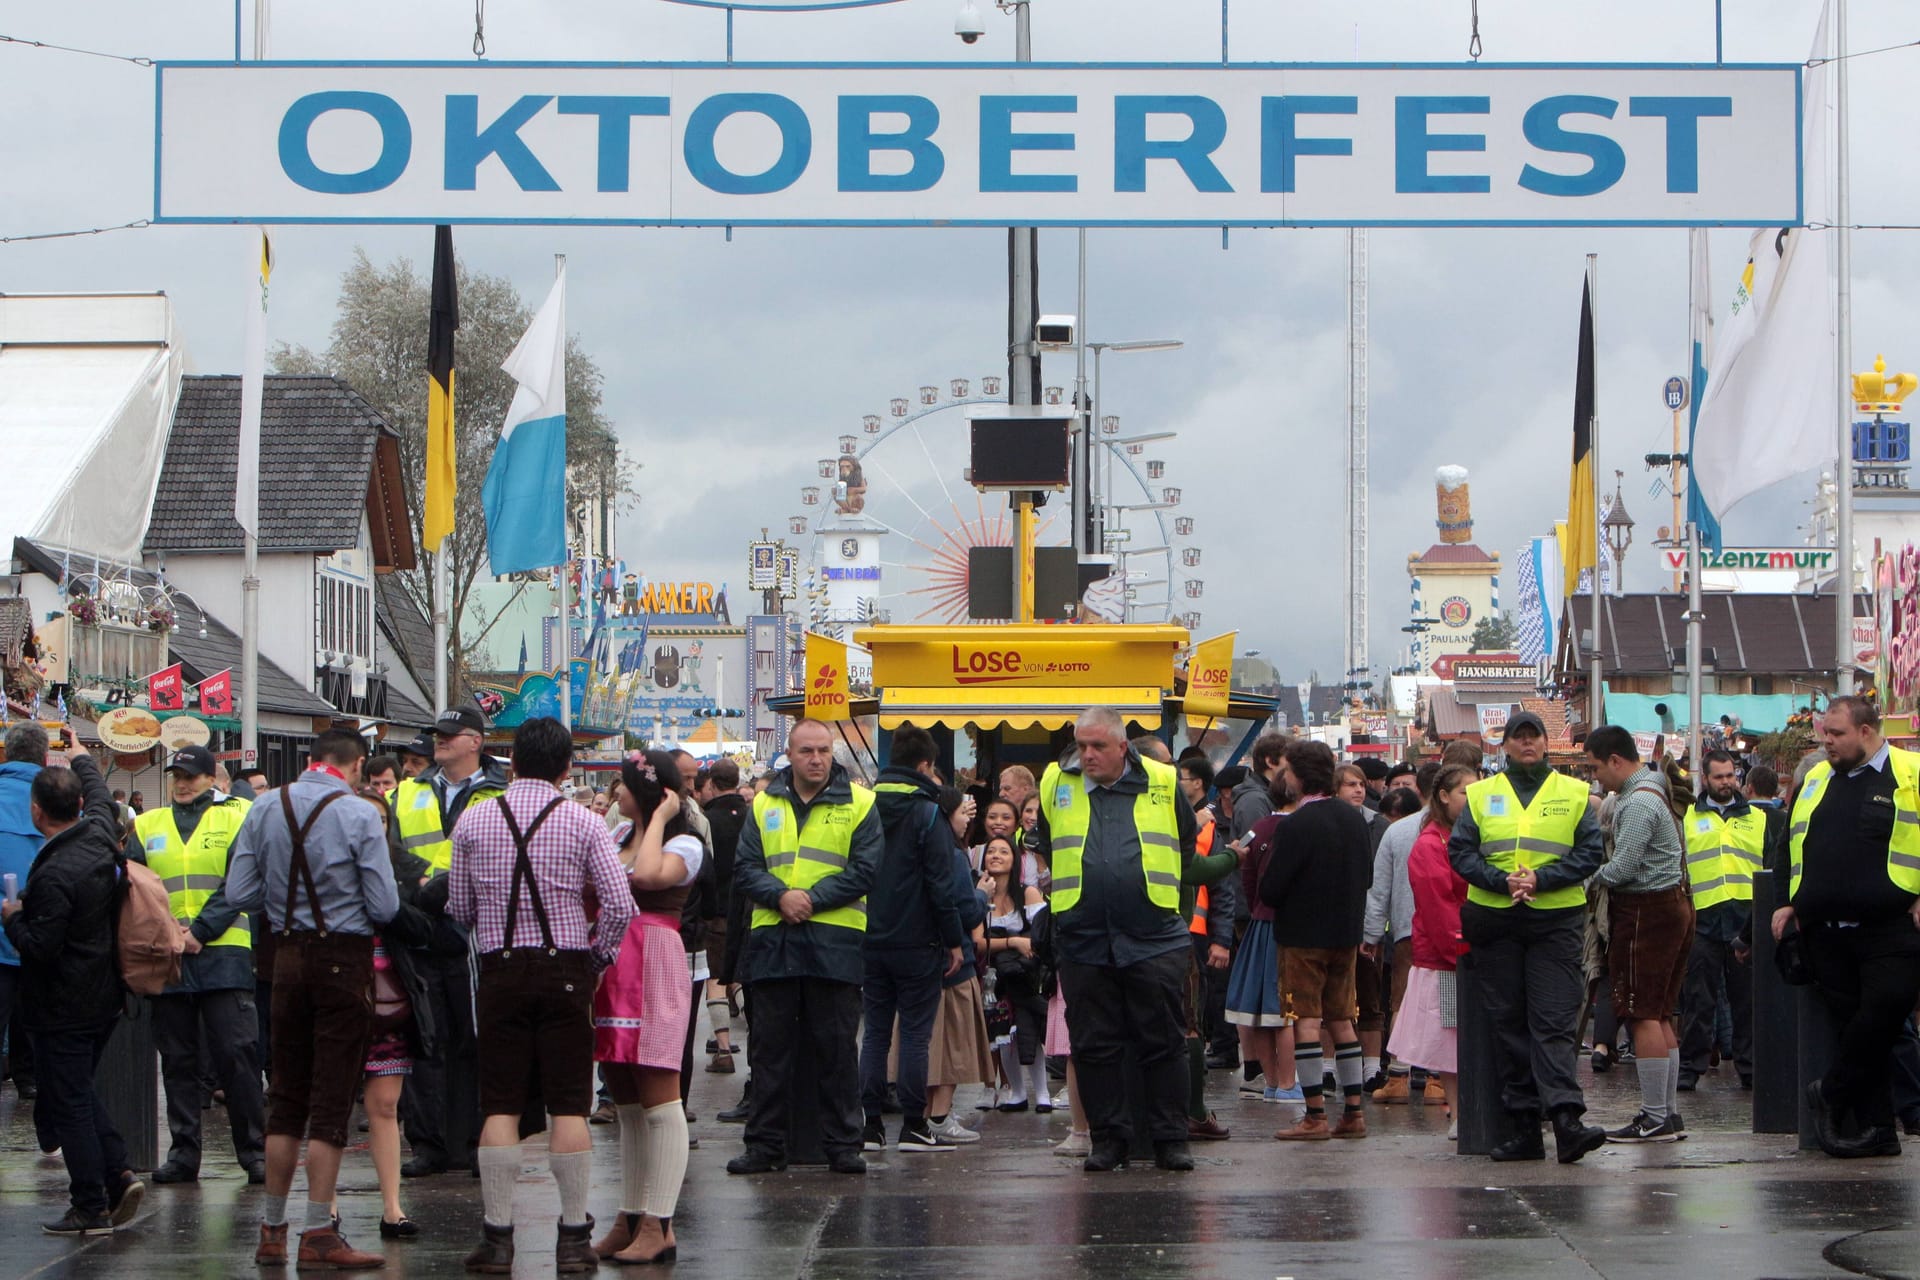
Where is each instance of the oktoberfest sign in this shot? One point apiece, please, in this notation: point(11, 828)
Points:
point(978, 145)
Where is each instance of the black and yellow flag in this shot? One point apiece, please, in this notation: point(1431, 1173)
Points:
point(1582, 550)
point(445, 318)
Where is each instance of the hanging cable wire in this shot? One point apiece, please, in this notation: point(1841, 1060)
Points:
point(1473, 40)
point(479, 28)
point(135, 225)
point(64, 48)
point(1841, 57)
point(1864, 226)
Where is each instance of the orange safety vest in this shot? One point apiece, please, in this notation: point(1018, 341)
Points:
point(1202, 846)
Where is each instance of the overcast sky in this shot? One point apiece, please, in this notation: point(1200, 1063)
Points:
point(730, 367)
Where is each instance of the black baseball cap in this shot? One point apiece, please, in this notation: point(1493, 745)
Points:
point(194, 761)
point(420, 746)
point(1521, 721)
point(461, 720)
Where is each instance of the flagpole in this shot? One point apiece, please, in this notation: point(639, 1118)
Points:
point(1843, 343)
point(1694, 615)
point(1596, 699)
point(249, 538)
point(566, 585)
point(440, 626)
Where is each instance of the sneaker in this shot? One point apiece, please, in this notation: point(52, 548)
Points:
point(1254, 1086)
point(1292, 1093)
point(1060, 1101)
point(918, 1135)
point(123, 1198)
point(1644, 1128)
point(1677, 1125)
point(1375, 1082)
point(77, 1223)
point(953, 1131)
point(873, 1137)
point(1075, 1146)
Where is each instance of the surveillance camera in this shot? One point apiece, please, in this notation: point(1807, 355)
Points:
point(1054, 333)
point(968, 26)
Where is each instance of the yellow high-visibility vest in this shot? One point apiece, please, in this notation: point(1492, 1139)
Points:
point(1903, 850)
point(1156, 821)
point(193, 869)
point(1723, 853)
point(800, 857)
point(416, 806)
point(1537, 834)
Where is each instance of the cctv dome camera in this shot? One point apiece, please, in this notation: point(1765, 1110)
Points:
point(968, 25)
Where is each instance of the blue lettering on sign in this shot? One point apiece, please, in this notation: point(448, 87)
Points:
point(1194, 154)
point(1280, 146)
point(796, 143)
point(859, 573)
point(1542, 127)
point(468, 145)
point(858, 142)
point(998, 142)
point(1683, 116)
point(1412, 144)
point(396, 143)
point(616, 130)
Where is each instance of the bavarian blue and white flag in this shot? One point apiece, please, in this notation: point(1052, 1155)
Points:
point(525, 495)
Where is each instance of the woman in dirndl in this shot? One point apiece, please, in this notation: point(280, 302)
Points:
point(641, 1008)
point(1426, 1032)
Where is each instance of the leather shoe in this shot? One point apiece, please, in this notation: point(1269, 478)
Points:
point(272, 1249)
point(753, 1161)
point(573, 1250)
point(1881, 1140)
point(1688, 1082)
point(1222, 1061)
point(419, 1168)
point(257, 1173)
point(1572, 1139)
point(1105, 1157)
point(1911, 1126)
point(1173, 1156)
point(494, 1255)
point(1523, 1140)
point(847, 1162)
point(323, 1248)
point(405, 1229)
point(170, 1173)
point(1822, 1116)
point(1208, 1130)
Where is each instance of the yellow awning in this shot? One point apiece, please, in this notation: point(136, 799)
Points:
point(1015, 708)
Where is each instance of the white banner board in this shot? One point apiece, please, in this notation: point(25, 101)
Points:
point(969, 145)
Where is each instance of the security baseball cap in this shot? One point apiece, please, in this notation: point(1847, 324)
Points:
point(194, 761)
point(461, 720)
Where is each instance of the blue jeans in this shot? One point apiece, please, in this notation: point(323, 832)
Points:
point(72, 1110)
point(903, 983)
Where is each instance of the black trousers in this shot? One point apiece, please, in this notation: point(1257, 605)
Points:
point(19, 1055)
point(73, 1112)
point(1869, 976)
point(1110, 1007)
point(1709, 966)
point(441, 1105)
point(826, 1017)
point(903, 984)
point(1528, 962)
point(221, 1026)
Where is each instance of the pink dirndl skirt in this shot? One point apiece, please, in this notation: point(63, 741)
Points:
point(1419, 1037)
point(642, 1005)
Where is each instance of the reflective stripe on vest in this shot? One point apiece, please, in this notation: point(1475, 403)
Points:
point(1156, 822)
point(1535, 835)
point(193, 869)
point(416, 807)
point(801, 857)
point(1723, 854)
point(1903, 850)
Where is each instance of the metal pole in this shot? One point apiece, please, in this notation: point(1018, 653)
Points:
point(1597, 699)
point(1082, 424)
point(440, 626)
point(1023, 372)
point(1843, 363)
point(1719, 45)
point(1102, 468)
point(566, 584)
point(1694, 619)
point(250, 544)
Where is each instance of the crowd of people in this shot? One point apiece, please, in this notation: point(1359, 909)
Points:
point(464, 946)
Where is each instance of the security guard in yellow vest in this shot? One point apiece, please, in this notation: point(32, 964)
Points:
point(1854, 893)
point(1525, 845)
point(1726, 843)
point(1119, 834)
point(212, 1008)
point(441, 1105)
point(805, 862)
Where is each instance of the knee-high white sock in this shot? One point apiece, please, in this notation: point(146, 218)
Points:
point(498, 1168)
point(1016, 1081)
point(633, 1158)
point(1673, 1081)
point(666, 1158)
point(1037, 1079)
point(1654, 1085)
point(572, 1172)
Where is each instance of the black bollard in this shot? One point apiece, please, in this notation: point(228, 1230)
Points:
point(128, 1082)
point(1776, 1023)
point(1482, 1118)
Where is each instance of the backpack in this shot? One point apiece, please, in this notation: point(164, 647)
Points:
point(148, 937)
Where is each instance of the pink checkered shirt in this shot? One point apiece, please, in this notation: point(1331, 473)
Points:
point(571, 850)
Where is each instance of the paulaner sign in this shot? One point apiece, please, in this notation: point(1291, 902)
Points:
point(1755, 558)
point(962, 144)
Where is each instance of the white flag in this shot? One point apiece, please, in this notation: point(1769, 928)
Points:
point(1768, 412)
point(253, 382)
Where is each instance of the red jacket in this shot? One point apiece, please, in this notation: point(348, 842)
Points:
point(1437, 897)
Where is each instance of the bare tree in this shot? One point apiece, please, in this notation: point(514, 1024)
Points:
point(379, 346)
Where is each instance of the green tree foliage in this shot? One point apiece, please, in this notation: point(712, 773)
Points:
point(1494, 634)
point(379, 346)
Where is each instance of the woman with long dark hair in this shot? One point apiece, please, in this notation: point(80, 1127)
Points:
point(1012, 908)
point(641, 1008)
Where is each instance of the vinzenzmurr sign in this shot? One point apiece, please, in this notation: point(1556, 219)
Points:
point(969, 145)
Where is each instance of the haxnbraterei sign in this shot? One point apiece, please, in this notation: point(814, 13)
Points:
point(969, 145)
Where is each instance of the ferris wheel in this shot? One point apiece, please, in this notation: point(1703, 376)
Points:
point(891, 518)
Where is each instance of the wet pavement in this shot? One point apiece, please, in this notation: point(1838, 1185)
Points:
point(1725, 1203)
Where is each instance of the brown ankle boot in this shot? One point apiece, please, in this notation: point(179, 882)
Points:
point(1352, 1124)
point(494, 1256)
point(324, 1249)
point(273, 1246)
point(573, 1250)
point(652, 1243)
point(625, 1229)
point(1312, 1128)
